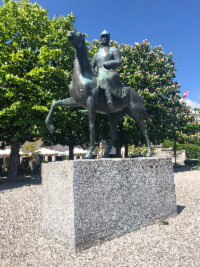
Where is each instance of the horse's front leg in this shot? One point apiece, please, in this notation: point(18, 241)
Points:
point(68, 102)
point(92, 116)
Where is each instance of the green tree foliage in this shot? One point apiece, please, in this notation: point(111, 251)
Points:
point(36, 63)
point(151, 73)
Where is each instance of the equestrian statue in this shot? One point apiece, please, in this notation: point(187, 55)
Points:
point(97, 88)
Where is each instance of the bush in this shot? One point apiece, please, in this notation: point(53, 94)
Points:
point(136, 150)
point(167, 143)
point(43, 161)
point(191, 150)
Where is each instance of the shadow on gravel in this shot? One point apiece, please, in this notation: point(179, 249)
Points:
point(182, 168)
point(180, 208)
point(22, 181)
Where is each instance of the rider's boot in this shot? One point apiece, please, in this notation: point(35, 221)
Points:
point(109, 99)
point(110, 105)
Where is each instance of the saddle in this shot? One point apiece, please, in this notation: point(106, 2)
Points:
point(110, 80)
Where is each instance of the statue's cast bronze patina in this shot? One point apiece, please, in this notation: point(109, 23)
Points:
point(107, 59)
point(101, 91)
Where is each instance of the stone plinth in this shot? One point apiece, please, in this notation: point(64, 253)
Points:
point(89, 201)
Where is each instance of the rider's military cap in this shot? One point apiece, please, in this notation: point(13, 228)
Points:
point(105, 33)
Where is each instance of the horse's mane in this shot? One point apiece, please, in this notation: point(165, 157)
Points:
point(83, 58)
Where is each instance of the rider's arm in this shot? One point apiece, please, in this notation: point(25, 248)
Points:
point(116, 62)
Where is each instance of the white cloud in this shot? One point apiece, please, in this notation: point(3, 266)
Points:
point(191, 103)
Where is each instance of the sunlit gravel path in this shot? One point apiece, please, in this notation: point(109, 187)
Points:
point(177, 244)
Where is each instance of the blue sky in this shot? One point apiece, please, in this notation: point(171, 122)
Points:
point(174, 24)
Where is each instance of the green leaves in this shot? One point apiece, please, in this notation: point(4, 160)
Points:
point(34, 55)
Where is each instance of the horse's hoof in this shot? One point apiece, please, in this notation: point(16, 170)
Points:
point(88, 156)
point(84, 111)
point(51, 129)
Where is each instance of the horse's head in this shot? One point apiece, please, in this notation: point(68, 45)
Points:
point(75, 38)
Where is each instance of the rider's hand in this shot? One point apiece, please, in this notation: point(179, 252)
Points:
point(106, 65)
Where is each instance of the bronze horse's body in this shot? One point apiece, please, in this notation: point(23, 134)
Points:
point(85, 93)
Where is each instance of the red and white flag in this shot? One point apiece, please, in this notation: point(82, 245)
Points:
point(186, 93)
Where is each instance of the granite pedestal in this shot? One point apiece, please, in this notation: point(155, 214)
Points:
point(89, 201)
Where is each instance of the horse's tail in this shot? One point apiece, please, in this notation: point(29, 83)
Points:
point(145, 112)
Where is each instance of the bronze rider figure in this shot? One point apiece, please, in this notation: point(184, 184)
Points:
point(106, 60)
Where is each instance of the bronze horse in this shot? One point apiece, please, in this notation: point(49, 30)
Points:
point(85, 93)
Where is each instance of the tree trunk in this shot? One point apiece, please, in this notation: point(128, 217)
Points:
point(126, 151)
point(118, 152)
point(13, 162)
point(71, 152)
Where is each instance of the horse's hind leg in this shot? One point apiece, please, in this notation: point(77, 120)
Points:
point(139, 120)
point(114, 118)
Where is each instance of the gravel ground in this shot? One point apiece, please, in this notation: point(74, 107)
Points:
point(176, 244)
